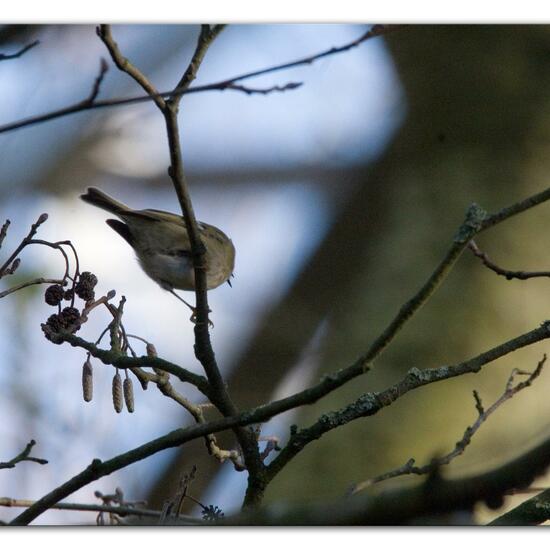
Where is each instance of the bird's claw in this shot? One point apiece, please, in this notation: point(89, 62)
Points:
point(193, 317)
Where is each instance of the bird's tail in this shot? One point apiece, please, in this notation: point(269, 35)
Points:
point(102, 200)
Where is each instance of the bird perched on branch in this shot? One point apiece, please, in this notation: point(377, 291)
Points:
point(162, 246)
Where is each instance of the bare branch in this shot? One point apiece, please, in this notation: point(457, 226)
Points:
point(120, 510)
point(34, 228)
point(38, 281)
point(4, 231)
point(22, 51)
point(104, 32)
point(216, 390)
point(203, 345)
point(435, 497)
point(23, 456)
point(522, 275)
point(103, 68)
point(377, 30)
point(264, 91)
point(370, 403)
point(367, 405)
point(460, 446)
point(122, 361)
point(206, 37)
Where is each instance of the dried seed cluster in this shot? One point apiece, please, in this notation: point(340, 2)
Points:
point(68, 318)
point(84, 289)
point(54, 294)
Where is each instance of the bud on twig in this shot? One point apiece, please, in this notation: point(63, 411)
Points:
point(42, 219)
point(151, 350)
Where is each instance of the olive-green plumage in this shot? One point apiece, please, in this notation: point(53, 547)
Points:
point(162, 246)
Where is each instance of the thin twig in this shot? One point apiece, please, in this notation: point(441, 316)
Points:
point(117, 359)
point(410, 468)
point(4, 231)
point(476, 221)
point(206, 37)
point(377, 30)
point(23, 456)
point(162, 380)
point(103, 68)
point(265, 91)
point(508, 274)
point(22, 51)
point(38, 281)
point(120, 510)
point(34, 228)
point(56, 246)
point(104, 32)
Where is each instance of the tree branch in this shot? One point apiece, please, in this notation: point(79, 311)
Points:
point(21, 52)
point(38, 281)
point(119, 510)
point(34, 228)
point(435, 497)
point(522, 275)
point(23, 456)
point(104, 32)
point(206, 37)
point(437, 462)
point(534, 511)
point(121, 361)
point(226, 84)
point(204, 352)
point(370, 403)
point(367, 405)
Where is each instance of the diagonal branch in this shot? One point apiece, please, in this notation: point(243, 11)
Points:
point(207, 36)
point(371, 403)
point(460, 446)
point(123, 64)
point(534, 511)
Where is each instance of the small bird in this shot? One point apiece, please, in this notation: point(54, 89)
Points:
point(162, 245)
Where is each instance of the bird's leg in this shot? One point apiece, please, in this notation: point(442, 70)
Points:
point(193, 317)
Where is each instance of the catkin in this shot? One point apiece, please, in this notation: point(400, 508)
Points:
point(117, 392)
point(151, 350)
point(87, 381)
point(128, 394)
